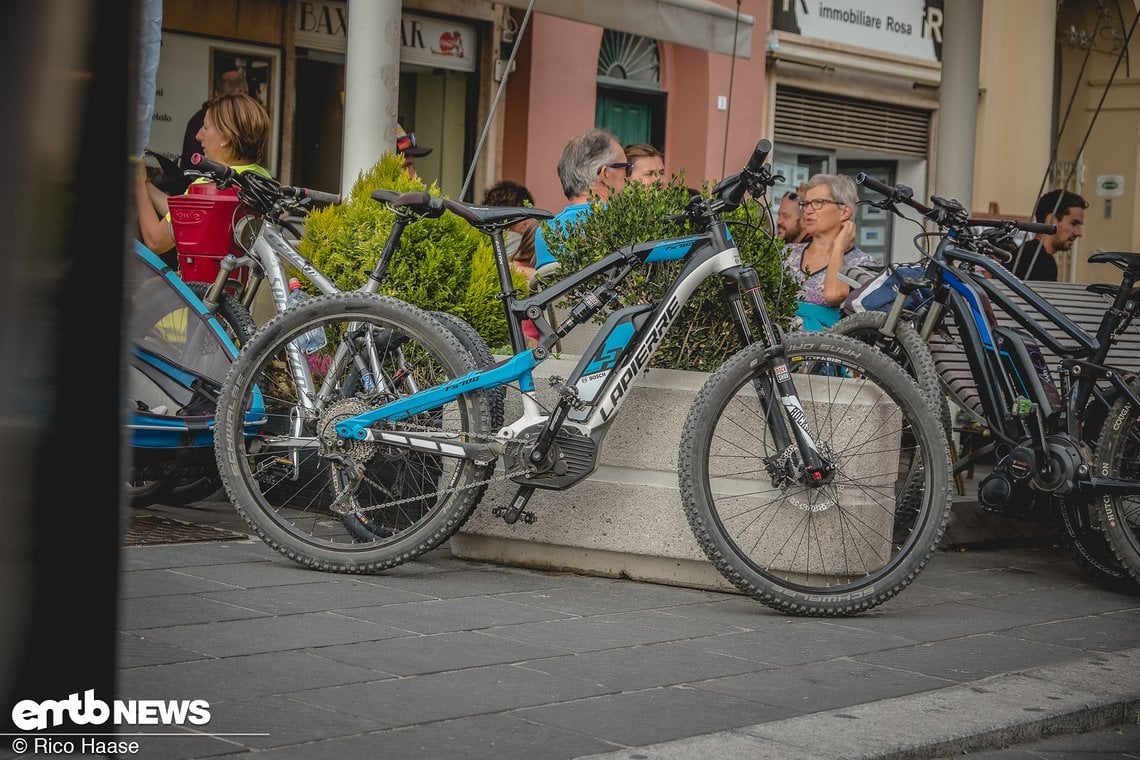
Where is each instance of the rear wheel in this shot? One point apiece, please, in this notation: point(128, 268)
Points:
point(834, 545)
point(350, 505)
point(907, 348)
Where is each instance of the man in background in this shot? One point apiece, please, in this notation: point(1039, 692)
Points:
point(1036, 258)
point(789, 219)
point(408, 149)
point(593, 166)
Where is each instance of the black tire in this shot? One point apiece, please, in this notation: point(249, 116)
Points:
point(143, 493)
point(908, 349)
point(401, 503)
point(884, 513)
point(1118, 456)
point(234, 317)
point(474, 343)
point(1078, 527)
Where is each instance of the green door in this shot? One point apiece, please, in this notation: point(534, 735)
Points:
point(630, 120)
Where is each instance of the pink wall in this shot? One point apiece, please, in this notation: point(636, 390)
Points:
point(563, 93)
point(551, 98)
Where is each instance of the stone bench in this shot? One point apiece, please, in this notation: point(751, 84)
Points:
point(626, 518)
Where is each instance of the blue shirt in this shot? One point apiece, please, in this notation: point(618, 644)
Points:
point(542, 254)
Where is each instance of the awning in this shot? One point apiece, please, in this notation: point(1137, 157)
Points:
point(697, 23)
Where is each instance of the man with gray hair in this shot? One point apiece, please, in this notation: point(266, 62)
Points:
point(592, 168)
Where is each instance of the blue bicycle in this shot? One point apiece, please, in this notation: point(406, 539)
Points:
point(810, 469)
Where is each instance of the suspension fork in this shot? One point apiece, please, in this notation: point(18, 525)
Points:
point(768, 392)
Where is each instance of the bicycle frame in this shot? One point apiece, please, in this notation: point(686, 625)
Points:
point(615, 359)
point(968, 297)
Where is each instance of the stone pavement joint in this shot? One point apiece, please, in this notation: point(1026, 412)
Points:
point(1012, 708)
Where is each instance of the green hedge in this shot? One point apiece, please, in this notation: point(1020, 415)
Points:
point(703, 336)
point(441, 264)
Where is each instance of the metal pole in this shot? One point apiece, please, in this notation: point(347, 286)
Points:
point(371, 86)
point(958, 101)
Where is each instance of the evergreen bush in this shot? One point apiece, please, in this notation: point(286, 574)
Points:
point(703, 336)
point(441, 264)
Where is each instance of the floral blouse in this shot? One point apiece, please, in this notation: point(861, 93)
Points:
point(813, 284)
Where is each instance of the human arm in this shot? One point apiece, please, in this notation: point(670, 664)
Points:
point(154, 230)
point(834, 289)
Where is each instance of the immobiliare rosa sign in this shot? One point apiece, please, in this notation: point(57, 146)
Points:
point(903, 27)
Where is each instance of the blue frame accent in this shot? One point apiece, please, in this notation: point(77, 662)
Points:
point(516, 369)
point(975, 305)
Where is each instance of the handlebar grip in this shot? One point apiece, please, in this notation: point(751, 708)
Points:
point(221, 171)
point(1037, 227)
point(759, 154)
point(736, 193)
point(318, 196)
point(870, 182)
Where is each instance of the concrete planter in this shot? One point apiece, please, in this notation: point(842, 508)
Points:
point(626, 519)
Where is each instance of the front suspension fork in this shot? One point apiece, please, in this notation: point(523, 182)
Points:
point(815, 468)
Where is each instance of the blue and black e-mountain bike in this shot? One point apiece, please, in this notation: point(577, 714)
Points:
point(810, 469)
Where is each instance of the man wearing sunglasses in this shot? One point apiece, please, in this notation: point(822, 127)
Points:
point(789, 219)
point(408, 150)
point(592, 168)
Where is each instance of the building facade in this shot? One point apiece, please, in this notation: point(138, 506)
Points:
point(856, 86)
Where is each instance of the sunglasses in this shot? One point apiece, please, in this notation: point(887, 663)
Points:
point(817, 204)
point(627, 166)
point(406, 141)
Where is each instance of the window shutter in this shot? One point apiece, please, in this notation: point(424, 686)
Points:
point(807, 117)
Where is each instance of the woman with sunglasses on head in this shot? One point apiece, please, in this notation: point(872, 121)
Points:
point(235, 132)
point(593, 167)
point(828, 206)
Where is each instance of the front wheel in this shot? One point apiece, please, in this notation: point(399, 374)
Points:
point(829, 547)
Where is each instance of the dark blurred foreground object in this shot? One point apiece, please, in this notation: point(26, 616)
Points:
point(70, 64)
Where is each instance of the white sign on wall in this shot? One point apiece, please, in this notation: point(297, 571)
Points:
point(1110, 184)
point(911, 28)
point(436, 43)
point(187, 68)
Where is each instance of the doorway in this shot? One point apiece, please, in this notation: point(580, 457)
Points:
point(318, 141)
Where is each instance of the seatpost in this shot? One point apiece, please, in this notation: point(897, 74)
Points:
point(507, 288)
point(376, 276)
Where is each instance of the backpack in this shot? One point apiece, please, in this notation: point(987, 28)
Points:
point(878, 293)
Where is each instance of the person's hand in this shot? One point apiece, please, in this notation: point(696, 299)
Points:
point(845, 240)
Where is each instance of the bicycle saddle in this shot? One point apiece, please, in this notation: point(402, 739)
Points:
point(494, 216)
point(1126, 260)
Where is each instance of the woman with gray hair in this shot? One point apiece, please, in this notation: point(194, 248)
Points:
point(828, 206)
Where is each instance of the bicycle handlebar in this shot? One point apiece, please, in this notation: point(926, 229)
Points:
point(225, 174)
point(903, 194)
point(736, 192)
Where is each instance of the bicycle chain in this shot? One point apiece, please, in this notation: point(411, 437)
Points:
point(423, 429)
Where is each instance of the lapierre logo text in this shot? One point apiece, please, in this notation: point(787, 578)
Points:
point(29, 715)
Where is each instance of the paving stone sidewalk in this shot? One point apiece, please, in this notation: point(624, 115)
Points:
point(444, 658)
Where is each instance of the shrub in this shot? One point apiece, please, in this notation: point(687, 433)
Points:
point(441, 264)
point(703, 336)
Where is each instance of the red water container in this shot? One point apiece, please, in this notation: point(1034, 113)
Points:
point(203, 231)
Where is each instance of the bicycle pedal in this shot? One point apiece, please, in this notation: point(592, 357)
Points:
point(567, 393)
